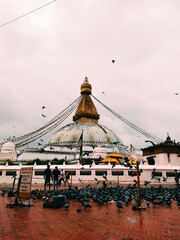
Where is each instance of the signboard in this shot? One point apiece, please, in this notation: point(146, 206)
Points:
point(26, 180)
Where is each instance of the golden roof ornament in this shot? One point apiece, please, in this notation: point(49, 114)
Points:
point(86, 111)
point(86, 87)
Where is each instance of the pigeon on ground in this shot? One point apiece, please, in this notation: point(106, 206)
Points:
point(86, 204)
point(119, 204)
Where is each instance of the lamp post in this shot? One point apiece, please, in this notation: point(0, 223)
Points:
point(138, 184)
point(132, 159)
point(138, 172)
point(81, 149)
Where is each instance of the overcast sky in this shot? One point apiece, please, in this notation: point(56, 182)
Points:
point(45, 56)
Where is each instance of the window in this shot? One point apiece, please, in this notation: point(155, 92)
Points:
point(157, 174)
point(10, 173)
point(101, 173)
point(132, 173)
point(85, 173)
point(117, 173)
point(170, 174)
point(39, 173)
point(150, 160)
point(72, 173)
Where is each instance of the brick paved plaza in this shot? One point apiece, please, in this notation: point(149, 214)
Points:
point(105, 222)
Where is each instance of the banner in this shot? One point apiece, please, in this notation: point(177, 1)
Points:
point(26, 180)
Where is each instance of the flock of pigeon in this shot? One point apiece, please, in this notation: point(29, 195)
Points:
point(104, 194)
point(120, 195)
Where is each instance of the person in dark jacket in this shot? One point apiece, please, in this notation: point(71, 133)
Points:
point(47, 177)
point(56, 174)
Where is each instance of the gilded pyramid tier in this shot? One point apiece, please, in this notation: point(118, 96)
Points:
point(86, 111)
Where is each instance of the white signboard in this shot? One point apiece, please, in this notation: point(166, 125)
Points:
point(26, 180)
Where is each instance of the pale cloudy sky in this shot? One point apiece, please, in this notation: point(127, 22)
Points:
point(46, 55)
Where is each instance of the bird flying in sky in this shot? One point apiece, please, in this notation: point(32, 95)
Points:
point(43, 115)
point(176, 93)
point(113, 61)
point(43, 107)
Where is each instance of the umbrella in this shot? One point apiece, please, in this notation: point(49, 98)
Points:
point(111, 160)
point(116, 155)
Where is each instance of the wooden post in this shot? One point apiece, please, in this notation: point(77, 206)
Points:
point(138, 184)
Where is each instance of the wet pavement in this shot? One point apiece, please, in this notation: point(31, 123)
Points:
point(101, 222)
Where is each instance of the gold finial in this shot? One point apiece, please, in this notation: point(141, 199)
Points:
point(86, 87)
point(86, 111)
point(86, 79)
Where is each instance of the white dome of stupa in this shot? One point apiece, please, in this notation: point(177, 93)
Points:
point(8, 147)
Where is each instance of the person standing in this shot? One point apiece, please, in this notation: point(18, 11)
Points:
point(56, 174)
point(67, 178)
point(176, 177)
point(47, 177)
point(61, 177)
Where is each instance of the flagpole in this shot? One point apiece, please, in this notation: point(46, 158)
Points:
point(81, 148)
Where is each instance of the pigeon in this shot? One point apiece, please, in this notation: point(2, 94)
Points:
point(86, 204)
point(164, 179)
point(113, 61)
point(119, 204)
point(158, 179)
point(43, 115)
point(113, 165)
point(4, 191)
point(146, 183)
point(97, 181)
point(66, 206)
point(135, 183)
point(105, 177)
point(80, 180)
point(147, 203)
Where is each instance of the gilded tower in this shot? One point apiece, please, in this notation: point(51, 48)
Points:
point(86, 111)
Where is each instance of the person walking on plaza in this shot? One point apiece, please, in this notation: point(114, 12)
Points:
point(67, 178)
point(176, 177)
point(61, 179)
point(47, 177)
point(56, 174)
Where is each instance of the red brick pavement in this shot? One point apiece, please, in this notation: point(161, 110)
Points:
point(96, 223)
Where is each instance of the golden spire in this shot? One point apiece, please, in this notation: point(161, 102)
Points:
point(86, 111)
